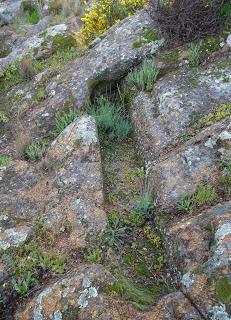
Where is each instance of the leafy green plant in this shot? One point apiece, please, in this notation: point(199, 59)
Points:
point(59, 264)
point(111, 119)
point(22, 286)
point(64, 119)
point(36, 150)
point(94, 256)
point(116, 233)
point(28, 263)
point(143, 78)
point(4, 160)
point(194, 55)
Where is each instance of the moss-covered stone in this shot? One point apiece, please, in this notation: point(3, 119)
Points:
point(223, 290)
point(71, 313)
point(62, 43)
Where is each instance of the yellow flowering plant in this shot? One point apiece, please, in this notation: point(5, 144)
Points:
point(102, 15)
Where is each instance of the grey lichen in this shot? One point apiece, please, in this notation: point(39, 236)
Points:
point(218, 313)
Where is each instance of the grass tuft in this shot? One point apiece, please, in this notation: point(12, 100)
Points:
point(111, 119)
point(204, 195)
point(36, 150)
point(143, 78)
point(63, 120)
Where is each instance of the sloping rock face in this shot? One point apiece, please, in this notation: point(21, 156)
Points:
point(9, 10)
point(184, 135)
point(34, 43)
point(72, 191)
point(184, 169)
point(200, 246)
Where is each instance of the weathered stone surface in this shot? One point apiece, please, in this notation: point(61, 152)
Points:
point(201, 247)
point(9, 10)
point(185, 168)
point(80, 295)
point(176, 102)
point(174, 306)
point(72, 192)
point(228, 41)
point(104, 64)
point(34, 42)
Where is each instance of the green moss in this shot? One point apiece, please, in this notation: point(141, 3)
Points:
point(209, 119)
point(71, 313)
point(137, 44)
point(4, 160)
point(211, 44)
point(199, 270)
point(148, 36)
point(192, 82)
point(62, 43)
point(94, 256)
point(223, 290)
point(171, 56)
point(221, 113)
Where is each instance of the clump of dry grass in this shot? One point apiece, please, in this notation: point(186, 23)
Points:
point(67, 7)
point(21, 137)
point(26, 68)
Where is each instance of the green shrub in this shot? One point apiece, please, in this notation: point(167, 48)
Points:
point(36, 150)
point(143, 78)
point(111, 119)
point(4, 160)
point(94, 256)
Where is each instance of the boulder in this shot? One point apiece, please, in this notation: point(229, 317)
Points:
point(180, 173)
point(80, 295)
point(200, 248)
point(33, 43)
point(71, 192)
point(176, 102)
